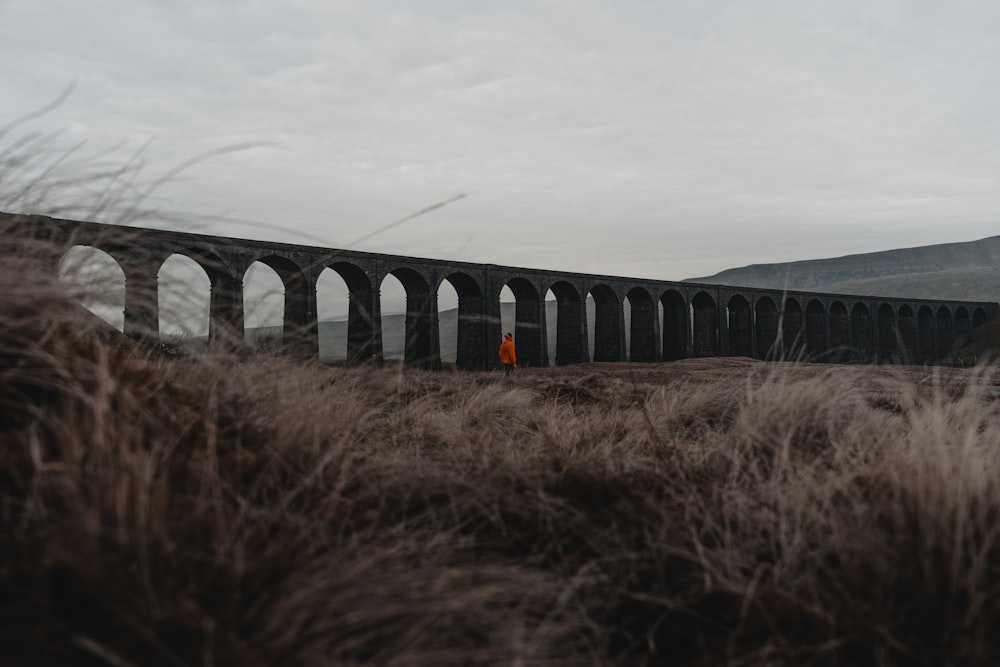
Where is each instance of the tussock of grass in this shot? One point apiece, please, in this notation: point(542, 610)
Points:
point(225, 510)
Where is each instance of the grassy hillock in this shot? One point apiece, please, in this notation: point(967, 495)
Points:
point(228, 510)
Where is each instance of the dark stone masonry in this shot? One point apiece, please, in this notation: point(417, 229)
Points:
point(669, 320)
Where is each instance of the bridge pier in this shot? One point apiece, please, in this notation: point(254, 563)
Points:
point(471, 353)
point(529, 332)
point(364, 327)
point(642, 329)
point(423, 346)
point(142, 308)
point(300, 335)
point(225, 324)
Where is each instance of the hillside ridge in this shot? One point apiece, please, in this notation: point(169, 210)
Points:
point(966, 270)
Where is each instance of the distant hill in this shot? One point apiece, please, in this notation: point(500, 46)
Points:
point(960, 271)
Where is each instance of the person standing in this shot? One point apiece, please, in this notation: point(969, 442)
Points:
point(508, 354)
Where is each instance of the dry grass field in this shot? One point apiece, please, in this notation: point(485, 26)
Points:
point(224, 510)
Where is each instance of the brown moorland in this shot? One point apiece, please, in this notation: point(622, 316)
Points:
point(224, 510)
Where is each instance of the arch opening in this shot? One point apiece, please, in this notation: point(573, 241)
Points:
point(96, 281)
point(740, 326)
point(462, 323)
point(409, 319)
point(184, 292)
point(264, 309)
point(332, 304)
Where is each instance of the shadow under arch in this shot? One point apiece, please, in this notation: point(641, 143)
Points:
point(766, 318)
point(963, 328)
point(704, 325)
point(792, 330)
point(861, 333)
point(906, 327)
point(609, 324)
point(740, 325)
point(926, 343)
point(945, 331)
point(571, 333)
point(817, 343)
point(529, 323)
point(888, 349)
point(470, 353)
point(642, 325)
point(675, 325)
point(840, 333)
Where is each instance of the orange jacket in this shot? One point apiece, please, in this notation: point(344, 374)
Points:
point(507, 353)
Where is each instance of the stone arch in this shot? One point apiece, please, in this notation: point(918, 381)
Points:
point(609, 324)
point(420, 338)
point(979, 317)
point(675, 325)
point(470, 327)
point(792, 329)
point(817, 340)
point(299, 311)
point(740, 326)
point(642, 325)
point(963, 328)
point(364, 326)
point(264, 297)
point(945, 332)
point(529, 323)
point(96, 280)
point(906, 326)
point(184, 293)
point(840, 332)
point(926, 343)
point(704, 325)
point(861, 332)
point(888, 349)
point(766, 317)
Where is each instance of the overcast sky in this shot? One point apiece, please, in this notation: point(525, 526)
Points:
point(656, 139)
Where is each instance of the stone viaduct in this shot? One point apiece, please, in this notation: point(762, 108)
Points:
point(669, 320)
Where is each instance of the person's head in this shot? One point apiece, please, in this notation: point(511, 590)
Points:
point(508, 336)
